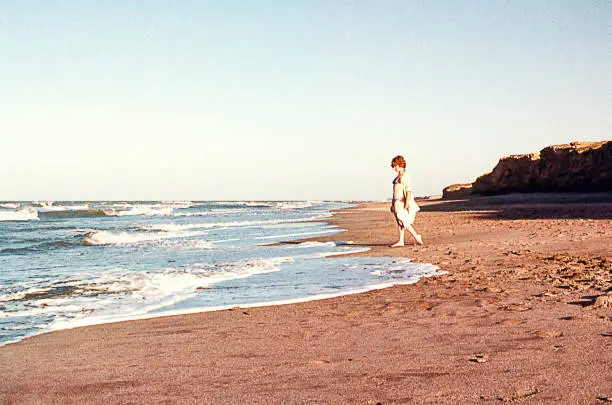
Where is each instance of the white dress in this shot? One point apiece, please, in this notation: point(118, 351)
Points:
point(403, 205)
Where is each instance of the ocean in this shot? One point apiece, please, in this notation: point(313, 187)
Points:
point(73, 263)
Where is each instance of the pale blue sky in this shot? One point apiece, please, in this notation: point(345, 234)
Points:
point(289, 99)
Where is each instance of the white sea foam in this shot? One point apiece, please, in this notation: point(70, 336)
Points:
point(293, 205)
point(21, 294)
point(83, 230)
point(197, 244)
point(179, 204)
point(69, 324)
point(147, 210)
point(294, 235)
point(10, 205)
point(44, 204)
point(138, 293)
point(43, 309)
point(424, 270)
point(120, 292)
point(225, 240)
point(320, 244)
point(165, 208)
point(26, 214)
point(281, 205)
point(203, 213)
point(110, 238)
point(23, 327)
point(230, 224)
point(53, 208)
point(322, 255)
point(173, 227)
point(246, 203)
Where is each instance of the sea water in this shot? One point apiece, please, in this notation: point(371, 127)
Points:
point(67, 264)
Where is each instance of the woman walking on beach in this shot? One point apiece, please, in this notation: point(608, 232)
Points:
point(403, 205)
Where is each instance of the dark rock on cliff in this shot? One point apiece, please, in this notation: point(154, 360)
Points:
point(457, 191)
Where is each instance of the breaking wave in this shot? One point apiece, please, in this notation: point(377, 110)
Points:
point(71, 212)
point(26, 214)
point(79, 213)
point(122, 293)
point(43, 204)
point(162, 211)
point(53, 207)
point(171, 279)
point(231, 224)
point(96, 238)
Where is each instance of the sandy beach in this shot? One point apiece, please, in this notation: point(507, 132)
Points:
point(523, 315)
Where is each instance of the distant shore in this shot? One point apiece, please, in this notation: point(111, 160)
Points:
point(523, 315)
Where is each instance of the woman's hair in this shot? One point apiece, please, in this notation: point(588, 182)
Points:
point(398, 161)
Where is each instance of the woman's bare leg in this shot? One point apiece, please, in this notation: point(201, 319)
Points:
point(415, 235)
point(400, 242)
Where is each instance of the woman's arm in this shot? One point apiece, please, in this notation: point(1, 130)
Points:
point(407, 194)
point(407, 197)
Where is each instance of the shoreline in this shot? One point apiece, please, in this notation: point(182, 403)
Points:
point(220, 308)
point(87, 322)
point(515, 319)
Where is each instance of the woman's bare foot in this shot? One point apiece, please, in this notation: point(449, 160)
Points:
point(397, 244)
point(419, 240)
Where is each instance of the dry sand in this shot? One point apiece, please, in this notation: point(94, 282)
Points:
point(524, 316)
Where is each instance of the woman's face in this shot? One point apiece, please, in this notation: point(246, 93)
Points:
point(397, 168)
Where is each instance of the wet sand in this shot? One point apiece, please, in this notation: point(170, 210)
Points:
point(523, 316)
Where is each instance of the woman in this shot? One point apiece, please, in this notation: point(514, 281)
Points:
point(403, 205)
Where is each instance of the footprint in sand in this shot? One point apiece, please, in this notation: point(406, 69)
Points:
point(547, 333)
point(517, 308)
point(479, 358)
point(511, 322)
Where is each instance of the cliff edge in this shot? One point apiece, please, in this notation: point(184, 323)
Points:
point(577, 166)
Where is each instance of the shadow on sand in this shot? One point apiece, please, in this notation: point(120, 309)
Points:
point(531, 206)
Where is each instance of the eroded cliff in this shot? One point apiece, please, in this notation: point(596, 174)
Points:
point(577, 166)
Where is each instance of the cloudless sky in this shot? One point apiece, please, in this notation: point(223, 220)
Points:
point(288, 99)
